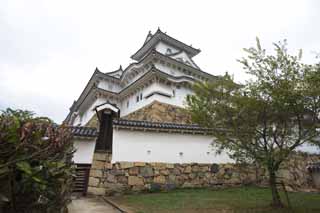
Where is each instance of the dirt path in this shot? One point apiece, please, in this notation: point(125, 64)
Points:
point(91, 205)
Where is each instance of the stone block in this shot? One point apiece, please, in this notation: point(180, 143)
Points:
point(111, 178)
point(117, 172)
point(113, 188)
point(164, 172)
point(170, 186)
point(160, 166)
point(159, 179)
point(96, 191)
point(195, 168)
point(200, 174)
point(187, 170)
point(100, 156)
point(135, 181)
point(204, 168)
point(171, 178)
point(126, 165)
point(108, 165)
point(146, 171)
point(193, 175)
point(148, 180)
point(109, 157)
point(93, 181)
point(154, 187)
point(137, 188)
point(285, 174)
point(97, 164)
point(122, 179)
point(96, 173)
point(169, 166)
point(139, 164)
point(187, 185)
point(116, 166)
point(134, 171)
point(176, 171)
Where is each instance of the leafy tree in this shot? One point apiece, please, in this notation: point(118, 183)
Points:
point(35, 163)
point(268, 117)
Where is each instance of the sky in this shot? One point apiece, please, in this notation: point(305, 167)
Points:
point(49, 49)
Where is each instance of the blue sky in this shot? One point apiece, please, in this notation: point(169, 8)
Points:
point(49, 49)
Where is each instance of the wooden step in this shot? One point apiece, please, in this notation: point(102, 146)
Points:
point(81, 179)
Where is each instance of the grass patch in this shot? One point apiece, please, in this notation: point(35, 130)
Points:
point(244, 199)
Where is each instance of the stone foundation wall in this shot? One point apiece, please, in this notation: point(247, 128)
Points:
point(160, 112)
point(126, 177)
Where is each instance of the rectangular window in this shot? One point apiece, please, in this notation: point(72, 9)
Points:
point(140, 96)
point(173, 93)
point(137, 98)
point(127, 104)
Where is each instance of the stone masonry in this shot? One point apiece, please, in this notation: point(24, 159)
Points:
point(154, 112)
point(160, 112)
point(126, 177)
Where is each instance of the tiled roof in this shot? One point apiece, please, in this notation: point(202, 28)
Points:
point(81, 131)
point(314, 167)
point(160, 36)
point(158, 125)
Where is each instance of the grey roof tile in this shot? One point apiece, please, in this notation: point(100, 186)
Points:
point(81, 131)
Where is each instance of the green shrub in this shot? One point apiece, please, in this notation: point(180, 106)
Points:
point(35, 164)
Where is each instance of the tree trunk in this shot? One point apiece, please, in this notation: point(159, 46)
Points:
point(276, 201)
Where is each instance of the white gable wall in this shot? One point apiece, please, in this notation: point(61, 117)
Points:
point(185, 58)
point(162, 48)
point(89, 113)
point(139, 146)
point(84, 150)
point(109, 85)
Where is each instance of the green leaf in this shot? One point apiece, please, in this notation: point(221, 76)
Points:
point(25, 167)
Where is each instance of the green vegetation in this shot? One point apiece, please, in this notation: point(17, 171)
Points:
point(267, 118)
point(35, 164)
point(245, 199)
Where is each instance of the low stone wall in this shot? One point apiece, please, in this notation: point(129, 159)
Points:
point(294, 172)
point(126, 177)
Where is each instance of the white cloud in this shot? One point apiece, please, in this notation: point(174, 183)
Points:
point(49, 49)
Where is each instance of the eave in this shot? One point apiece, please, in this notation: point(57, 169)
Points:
point(149, 75)
point(158, 54)
point(139, 125)
point(94, 77)
point(83, 132)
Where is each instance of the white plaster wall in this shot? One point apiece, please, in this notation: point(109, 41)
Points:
point(177, 100)
point(169, 70)
point(158, 87)
point(84, 150)
point(164, 147)
point(308, 148)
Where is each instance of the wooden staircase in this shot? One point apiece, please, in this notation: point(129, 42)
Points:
point(81, 179)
